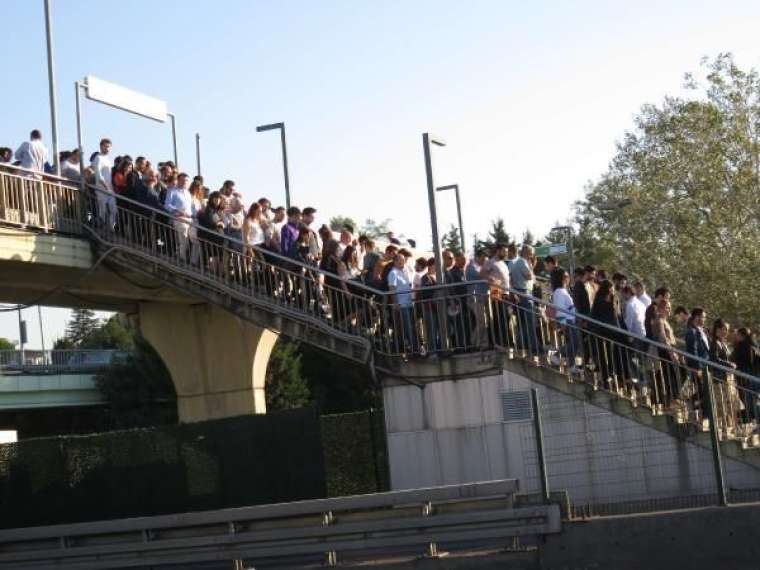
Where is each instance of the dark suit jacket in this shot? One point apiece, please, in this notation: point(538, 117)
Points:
point(696, 345)
point(580, 299)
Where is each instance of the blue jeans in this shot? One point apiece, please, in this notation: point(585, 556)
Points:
point(526, 321)
point(405, 337)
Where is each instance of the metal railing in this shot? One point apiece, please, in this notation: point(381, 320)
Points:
point(31, 199)
point(57, 361)
point(321, 530)
point(434, 322)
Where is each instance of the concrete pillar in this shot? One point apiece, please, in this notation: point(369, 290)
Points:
point(218, 362)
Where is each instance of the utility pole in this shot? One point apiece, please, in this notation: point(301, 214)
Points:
point(51, 87)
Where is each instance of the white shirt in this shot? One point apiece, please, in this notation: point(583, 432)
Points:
point(276, 228)
point(102, 167)
point(565, 306)
point(634, 316)
point(255, 233)
point(179, 201)
point(234, 221)
point(498, 270)
point(32, 155)
point(401, 281)
point(70, 170)
point(644, 298)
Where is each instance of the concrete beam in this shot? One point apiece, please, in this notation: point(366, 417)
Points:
point(60, 268)
point(217, 361)
point(27, 391)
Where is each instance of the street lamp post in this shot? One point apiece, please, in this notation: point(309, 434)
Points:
point(198, 152)
point(455, 187)
point(280, 126)
point(427, 140)
point(174, 137)
point(51, 86)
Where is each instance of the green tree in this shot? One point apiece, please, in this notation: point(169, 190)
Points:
point(450, 240)
point(497, 234)
point(81, 324)
point(111, 334)
point(6, 344)
point(528, 238)
point(375, 229)
point(337, 223)
point(679, 204)
point(139, 390)
point(286, 387)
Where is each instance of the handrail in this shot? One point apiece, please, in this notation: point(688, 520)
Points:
point(386, 297)
point(10, 167)
point(465, 316)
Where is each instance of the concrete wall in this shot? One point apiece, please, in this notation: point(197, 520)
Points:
point(24, 391)
point(452, 432)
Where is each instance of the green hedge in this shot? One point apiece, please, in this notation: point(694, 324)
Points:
point(356, 460)
point(246, 460)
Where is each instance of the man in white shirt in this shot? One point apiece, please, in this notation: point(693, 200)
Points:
point(497, 269)
point(32, 154)
point(634, 312)
point(400, 284)
point(315, 244)
point(641, 293)
point(70, 166)
point(179, 204)
point(521, 275)
point(101, 165)
point(278, 220)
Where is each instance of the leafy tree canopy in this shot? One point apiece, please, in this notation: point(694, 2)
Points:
point(679, 203)
point(337, 223)
point(450, 240)
point(375, 229)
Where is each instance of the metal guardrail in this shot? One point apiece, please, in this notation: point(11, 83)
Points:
point(57, 361)
point(433, 322)
point(318, 530)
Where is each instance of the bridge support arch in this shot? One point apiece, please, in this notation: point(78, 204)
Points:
point(217, 361)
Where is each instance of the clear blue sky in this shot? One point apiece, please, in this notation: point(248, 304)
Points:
point(530, 97)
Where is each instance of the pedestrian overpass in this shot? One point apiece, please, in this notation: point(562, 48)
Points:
point(454, 370)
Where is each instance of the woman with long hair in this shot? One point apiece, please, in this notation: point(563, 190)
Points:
point(254, 238)
point(667, 364)
point(606, 342)
point(211, 237)
point(197, 203)
point(253, 230)
point(120, 173)
point(728, 404)
point(747, 361)
point(350, 259)
point(335, 286)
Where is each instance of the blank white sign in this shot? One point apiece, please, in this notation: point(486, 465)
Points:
point(125, 99)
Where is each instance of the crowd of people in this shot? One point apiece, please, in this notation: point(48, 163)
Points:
point(601, 322)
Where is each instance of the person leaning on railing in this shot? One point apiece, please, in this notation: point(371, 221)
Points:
point(562, 312)
point(667, 385)
point(211, 238)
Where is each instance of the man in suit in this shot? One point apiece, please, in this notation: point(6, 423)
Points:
point(697, 342)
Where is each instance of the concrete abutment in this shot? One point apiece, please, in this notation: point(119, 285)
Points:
point(217, 361)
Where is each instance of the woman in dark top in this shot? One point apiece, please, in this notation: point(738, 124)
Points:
point(746, 360)
point(719, 350)
point(606, 343)
point(728, 399)
point(335, 287)
point(211, 236)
